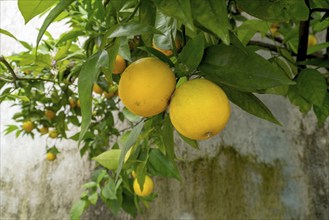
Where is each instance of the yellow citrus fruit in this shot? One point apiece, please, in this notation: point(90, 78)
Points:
point(274, 29)
point(199, 109)
point(311, 40)
point(43, 130)
point(119, 65)
point(72, 102)
point(51, 156)
point(167, 52)
point(78, 103)
point(146, 85)
point(97, 89)
point(53, 133)
point(50, 114)
point(147, 188)
point(28, 126)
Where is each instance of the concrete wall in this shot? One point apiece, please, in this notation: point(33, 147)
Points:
point(253, 169)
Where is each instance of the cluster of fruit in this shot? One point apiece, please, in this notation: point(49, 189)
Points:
point(199, 109)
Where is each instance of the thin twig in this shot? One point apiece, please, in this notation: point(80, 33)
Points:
point(319, 10)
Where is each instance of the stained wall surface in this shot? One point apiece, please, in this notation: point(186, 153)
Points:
point(253, 169)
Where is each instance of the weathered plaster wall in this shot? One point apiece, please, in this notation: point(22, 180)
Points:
point(253, 169)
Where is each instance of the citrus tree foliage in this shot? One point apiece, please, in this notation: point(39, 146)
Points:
point(52, 82)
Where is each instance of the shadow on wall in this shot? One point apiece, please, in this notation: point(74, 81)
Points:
point(228, 186)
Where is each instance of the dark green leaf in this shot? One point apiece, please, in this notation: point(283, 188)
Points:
point(315, 62)
point(30, 9)
point(212, 15)
point(147, 13)
point(279, 10)
point(109, 159)
point(179, 9)
point(51, 16)
point(322, 113)
point(167, 134)
point(158, 54)
point(87, 77)
point(312, 86)
point(163, 165)
point(192, 143)
point(191, 56)
point(250, 103)
point(131, 29)
point(296, 99)
point(77, 209)
point(243, 70)
point(131, 139)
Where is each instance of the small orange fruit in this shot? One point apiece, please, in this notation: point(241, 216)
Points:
point(53, 133)
point(28, 126)
point(147, 187)
point(72, 102)
point(97, 89)
point(50, 114)
point(119, 65)
point(51, 156)
point(43, 130)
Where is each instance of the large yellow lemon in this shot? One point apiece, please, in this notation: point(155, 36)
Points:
point(199, 109)
point(146, 85)
point(147, 187)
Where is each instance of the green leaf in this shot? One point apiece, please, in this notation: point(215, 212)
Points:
point(147, 14)
point(93, 198)
point(131, 29)
point(312, 86)
point(317, 47)
point(279, 10)
point(167, 134)
point(168, 27)
point(51, 16)
point(191, 56)
point(109, 190)
point(88, 75)
point(296, 99)
point(25, 44)
point(163, 165)
point(32, 8)
point(89, 185)
point(192, 143)
point(10, 128)
point(77, 209)
point(249, 28)
point(243, 70)
point(315, 62)
point(179, 9)
point(250, 103)
point(109, 159)
point(212, 15)
point(132, 138)
point(71, 35)
point(322, 113)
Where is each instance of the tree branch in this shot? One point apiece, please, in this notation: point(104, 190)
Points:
point(319, 10)
point(16, 78)
point(303, 38)
point(12, 72)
